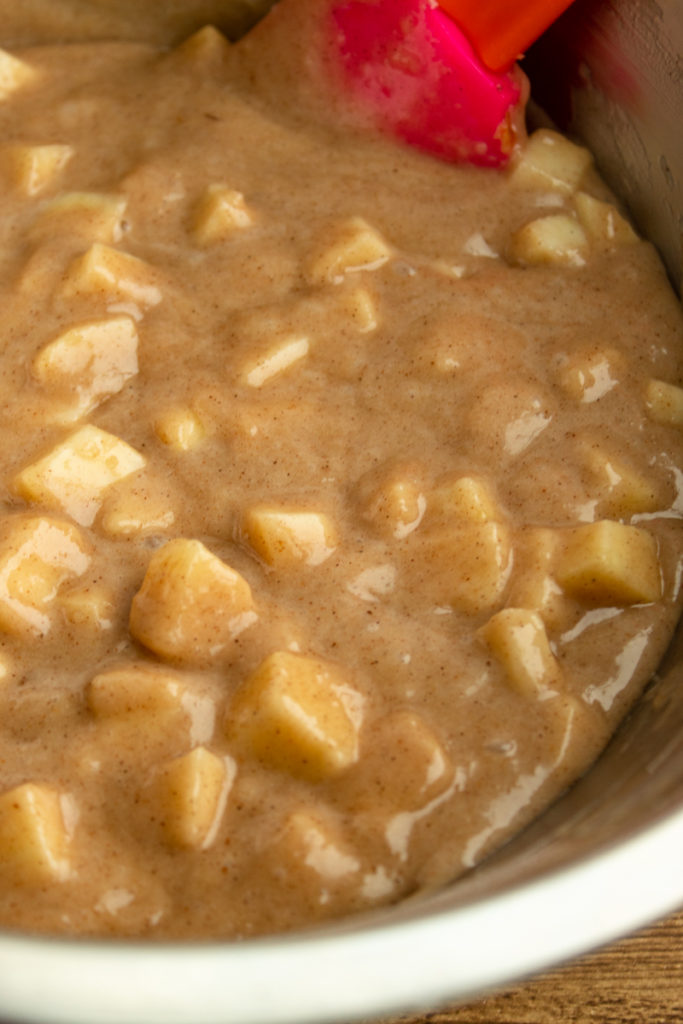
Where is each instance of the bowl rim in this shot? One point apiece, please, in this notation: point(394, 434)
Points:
point(372, 966)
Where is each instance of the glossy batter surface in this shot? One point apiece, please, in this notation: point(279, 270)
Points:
point(340, 512)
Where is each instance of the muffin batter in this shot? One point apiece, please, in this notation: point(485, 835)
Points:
point(340, 493)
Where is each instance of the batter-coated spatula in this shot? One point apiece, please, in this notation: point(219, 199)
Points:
point(440, 75)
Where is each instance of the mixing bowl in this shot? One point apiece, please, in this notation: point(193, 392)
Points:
point(603, 860)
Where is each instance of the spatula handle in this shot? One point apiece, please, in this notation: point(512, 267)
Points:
point(501, 30)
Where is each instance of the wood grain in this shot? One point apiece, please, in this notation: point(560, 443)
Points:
point(638, 980)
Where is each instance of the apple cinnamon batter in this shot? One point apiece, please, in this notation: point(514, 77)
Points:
point(340, 495)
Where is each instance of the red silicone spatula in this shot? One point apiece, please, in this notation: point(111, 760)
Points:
point(441, 75)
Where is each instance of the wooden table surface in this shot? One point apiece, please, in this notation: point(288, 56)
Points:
point(638, 980)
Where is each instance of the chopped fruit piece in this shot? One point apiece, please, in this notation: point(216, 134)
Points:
point(132, 900)
point(602, 221)
point(74, 476)
point(180, 428)
point(361, 307)
point(518, 638)
point(117, 275)
point(664, 402)
point(533, 584)
point(373, 583)
point(91, 215)
point(620, 489)
point(34, 842)
point(566, 722)
point(144, 712)
point(133, 689)
point(287, 537)
point(465, 565)
point(508, 413)
point(191, 605)
point(205, 46)
point(221, 212)
point(34, 168)
point(476, 245)
point(130, 518)
point(549, 161)
point(608, 563)
point(14, 74)
point(403, 764)
point(448, 269)
point(590, 373)
point(88, 363)
point(192, 791)
point(450, 343)
point(298, 715)
point(467, 498)
point(137, 507)
point(276, 360)
point(397, 505)
point(91, 607)
point(37, 556)
point(358, 247)
point(309, 841)
point(555, 239)
point(256, 422)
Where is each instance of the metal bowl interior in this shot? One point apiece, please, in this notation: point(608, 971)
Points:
point(604, 859)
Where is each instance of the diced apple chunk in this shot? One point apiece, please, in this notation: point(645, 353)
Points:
point(136, 507)
point(205, 47)
point(144, 713)
point(75, 475)
point(555, 239)
point(310, 842)
point(14, 74)
point(32, 169)
point(116, 275)
point(476, 245)
point(664, 402)
point(518, 638)
point(6, 666)
point(191, 792)
point(360, 306)
point(191, 605)
point(621, 489)
point(180, 428)
point(91, 215)
point(602, 221)
point(550, 161)
point(373, 583)
point(299, 715)
point(358, 246)
point(88, 363)
point(609, 563)
point(288, 537)
point(533, 584)
point(453, 343)
point(464, 565)
point(92, 607)
point(403, 764)
point(136, 688)
point(507, 414)
point(467, 498)
point(221, 212)
point(37, 556)
point(34, 841)
point(397, 503)
point(275, 360)
point(569, 724)
point(590, 373)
